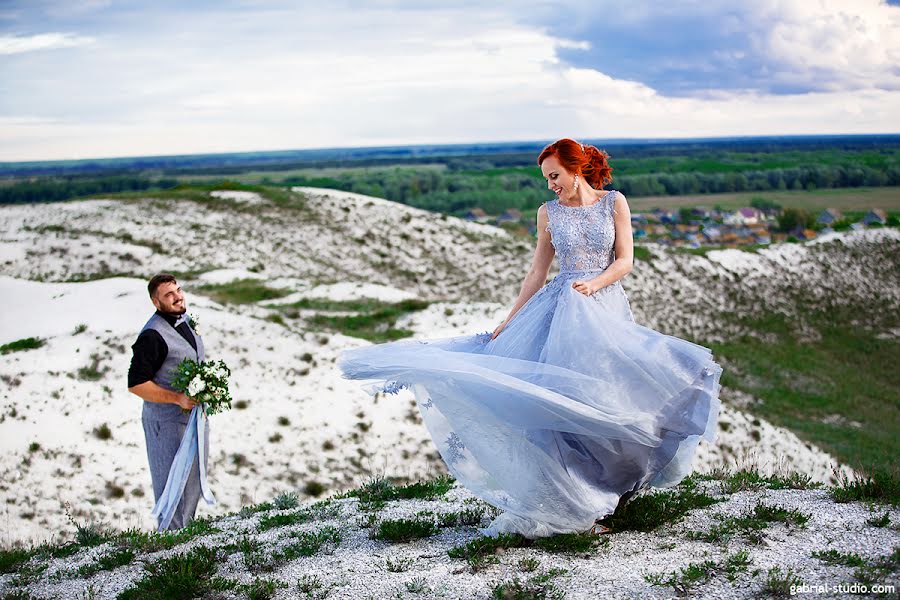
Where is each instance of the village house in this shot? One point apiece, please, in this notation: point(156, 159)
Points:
point(510, 215)
point(876, 215)
point(829, 216)
point(712, 235)
point(743, 216)
point(703, 212)
point(477, 214)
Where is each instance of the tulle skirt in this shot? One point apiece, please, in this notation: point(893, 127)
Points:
point(572, 406)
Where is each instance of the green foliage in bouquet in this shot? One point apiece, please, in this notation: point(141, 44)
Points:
point(206, 382)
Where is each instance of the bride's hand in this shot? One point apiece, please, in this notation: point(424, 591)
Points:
point(498, 330)
point(586, 287)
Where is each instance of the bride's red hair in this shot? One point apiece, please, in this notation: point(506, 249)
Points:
point(588, 161)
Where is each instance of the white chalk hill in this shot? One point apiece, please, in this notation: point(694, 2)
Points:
point(301, 427)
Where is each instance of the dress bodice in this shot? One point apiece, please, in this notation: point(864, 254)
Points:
point(583, 236)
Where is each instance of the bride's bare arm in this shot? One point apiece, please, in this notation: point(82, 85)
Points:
point(540, 264)
point(624, 245)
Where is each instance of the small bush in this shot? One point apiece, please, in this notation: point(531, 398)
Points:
point(397, 566)
point(30, 343)
point(285, 500)
point(262, 589)
point(648, 511)
point(882, 521)
point(879, 485)
point(309, 543)
point(482, 550)
point(405, 530)
point(381, 489)
point(186, 575)
point(108, 562)
point(570, 543)
point(272, 521)
point(244, 291)
point(779, 583)
point(833, 557)
point(313, 488)
point(103, 432)
point(528, 565)
point(145, 541)
point(752, 524)
point(529, 590)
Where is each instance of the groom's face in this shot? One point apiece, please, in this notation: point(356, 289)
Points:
point(169, 299)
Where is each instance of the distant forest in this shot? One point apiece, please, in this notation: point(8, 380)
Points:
point(495, 177)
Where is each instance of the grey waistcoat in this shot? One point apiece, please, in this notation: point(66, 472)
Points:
point(179, 349)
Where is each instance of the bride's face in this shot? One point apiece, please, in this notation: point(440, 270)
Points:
point(558, 179)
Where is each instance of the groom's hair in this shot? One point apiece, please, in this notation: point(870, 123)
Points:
point(157, 280)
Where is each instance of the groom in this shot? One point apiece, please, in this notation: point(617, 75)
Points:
point(162, 344)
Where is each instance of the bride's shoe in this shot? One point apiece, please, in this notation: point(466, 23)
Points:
point(599, 529)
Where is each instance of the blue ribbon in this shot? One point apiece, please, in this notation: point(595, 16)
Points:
point(193, 443)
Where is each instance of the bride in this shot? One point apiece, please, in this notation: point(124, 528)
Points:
point(569, 406)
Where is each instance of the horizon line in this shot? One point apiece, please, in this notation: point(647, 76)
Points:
point(448, 145)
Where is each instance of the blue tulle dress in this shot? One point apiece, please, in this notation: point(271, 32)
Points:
point(571, 407)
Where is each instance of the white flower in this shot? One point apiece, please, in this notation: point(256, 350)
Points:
point(196, 386)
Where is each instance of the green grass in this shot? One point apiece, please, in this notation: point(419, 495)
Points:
point(648, 511)
point(877, 570)
point(849, 372)
point(571, 543)
point(242, 291)
point(378, 324)
point(405, 530)
point(833, 557)
point(747, 479)
point(482, 551)
point(271, 521)
point(684, 580)
point(259, 557)
point(378, 490)
point(880, 485)
point(182, 576)
point(108, 562)
point(145, 541)
point(779, 583)
point(751, 525)
point(30, 343)
point(536, 588)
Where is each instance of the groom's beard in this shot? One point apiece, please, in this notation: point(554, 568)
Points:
point(176, 312)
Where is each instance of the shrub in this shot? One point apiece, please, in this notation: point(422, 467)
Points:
point(30, 343)
point(405, 530)
point(186, 575)
point(103, 432)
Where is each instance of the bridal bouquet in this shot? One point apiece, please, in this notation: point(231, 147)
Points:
point(206, 382)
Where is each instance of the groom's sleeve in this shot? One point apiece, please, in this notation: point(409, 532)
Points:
point(148, 354)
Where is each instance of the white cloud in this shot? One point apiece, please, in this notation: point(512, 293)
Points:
point(286, 78)
point(19, 44)
point(834, 44)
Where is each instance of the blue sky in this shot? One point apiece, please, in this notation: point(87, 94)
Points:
point(98, 78)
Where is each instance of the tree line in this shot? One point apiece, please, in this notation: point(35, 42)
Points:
point(65, 188)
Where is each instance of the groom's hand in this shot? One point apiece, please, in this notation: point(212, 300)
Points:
point(185, 402)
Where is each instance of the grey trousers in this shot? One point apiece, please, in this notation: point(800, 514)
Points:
point(163, 439)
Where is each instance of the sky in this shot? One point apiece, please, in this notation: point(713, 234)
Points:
point(104, 78)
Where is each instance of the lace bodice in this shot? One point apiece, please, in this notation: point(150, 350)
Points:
point(583, 236)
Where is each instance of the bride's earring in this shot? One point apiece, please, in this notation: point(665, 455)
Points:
point(575, 185)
